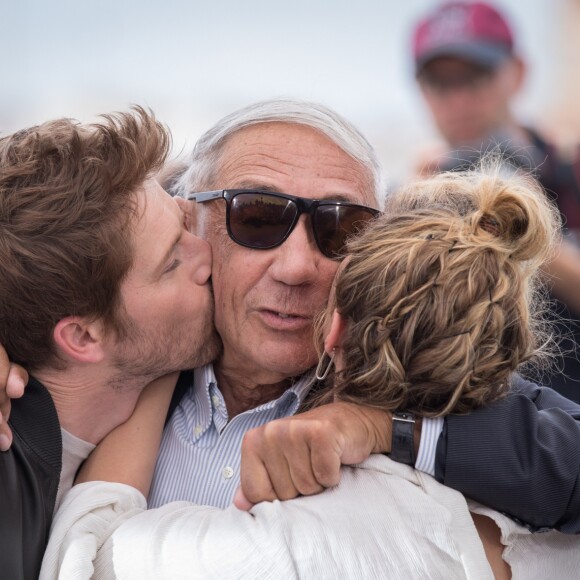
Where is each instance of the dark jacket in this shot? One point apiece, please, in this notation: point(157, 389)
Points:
point(519, 455)
point(29, 478)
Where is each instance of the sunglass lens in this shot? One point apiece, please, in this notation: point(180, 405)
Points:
point(261, 220)
point(334, 224)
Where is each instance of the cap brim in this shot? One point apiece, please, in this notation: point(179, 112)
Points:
point(482, 54)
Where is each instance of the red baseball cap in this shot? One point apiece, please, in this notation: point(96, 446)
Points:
point(472, 31)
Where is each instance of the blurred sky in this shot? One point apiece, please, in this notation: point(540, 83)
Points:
point(194, 61)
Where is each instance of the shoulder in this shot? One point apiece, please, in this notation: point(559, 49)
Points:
point(34, 422)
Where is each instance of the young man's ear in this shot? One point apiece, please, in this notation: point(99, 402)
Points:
point(336, 333)
point(80, 339)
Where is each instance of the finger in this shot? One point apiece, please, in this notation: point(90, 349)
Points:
point(325, 466)
point(255, 482)
point(279, 474)
point(5, 408)
point(276, 439)
point(254, 479)
point(314, 454)
point(5, 436)
point(4, 372)
point(299, 460)
point(16, 381)
point(241, 501)
point(265, 473)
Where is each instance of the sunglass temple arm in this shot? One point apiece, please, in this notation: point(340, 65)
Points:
point(205, 196)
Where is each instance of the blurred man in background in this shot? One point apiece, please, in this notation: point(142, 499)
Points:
point(469, 74)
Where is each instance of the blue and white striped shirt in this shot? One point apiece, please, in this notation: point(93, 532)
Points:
point(199, 458)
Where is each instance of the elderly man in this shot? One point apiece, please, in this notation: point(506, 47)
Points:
point(102, 290)
point(469, 73)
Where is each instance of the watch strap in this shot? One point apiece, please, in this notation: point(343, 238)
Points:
point(402, 440)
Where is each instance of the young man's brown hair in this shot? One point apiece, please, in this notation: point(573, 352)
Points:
point(67, 200)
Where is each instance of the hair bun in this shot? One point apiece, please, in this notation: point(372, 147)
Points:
point(490, 225)
point(518, 214)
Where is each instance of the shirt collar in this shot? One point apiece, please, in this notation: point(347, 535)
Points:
point(210, 404)
point(203, 377)
point(290, 400)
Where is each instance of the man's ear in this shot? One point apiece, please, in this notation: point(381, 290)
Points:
point(336, 333)
point(189, 209)
point(518, 75)
point(80, 339)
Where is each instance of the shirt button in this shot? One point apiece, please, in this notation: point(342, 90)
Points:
point(216, 401)
point(227, 472)
point(197, 430)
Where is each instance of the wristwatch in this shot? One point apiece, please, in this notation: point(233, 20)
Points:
point(402, 440)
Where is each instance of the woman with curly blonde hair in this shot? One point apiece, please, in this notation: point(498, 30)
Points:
point(438, 303)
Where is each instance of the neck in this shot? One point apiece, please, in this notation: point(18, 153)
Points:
point(90, 403)
point(242, 394)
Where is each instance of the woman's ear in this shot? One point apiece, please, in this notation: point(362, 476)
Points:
point(335, 335)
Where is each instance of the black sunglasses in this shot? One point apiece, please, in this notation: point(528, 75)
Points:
point(263, 220)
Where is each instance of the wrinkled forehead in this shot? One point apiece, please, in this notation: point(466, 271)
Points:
point(294, 159)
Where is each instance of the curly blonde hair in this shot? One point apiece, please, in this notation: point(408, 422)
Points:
point(441, 294)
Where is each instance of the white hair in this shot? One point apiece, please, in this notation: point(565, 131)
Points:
point(201, 168)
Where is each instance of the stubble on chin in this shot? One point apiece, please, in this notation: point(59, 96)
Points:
point(141, 358)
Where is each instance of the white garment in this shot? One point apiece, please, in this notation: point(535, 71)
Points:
point(384, 520)
point(74, 452)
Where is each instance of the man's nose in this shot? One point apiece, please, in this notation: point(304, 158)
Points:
point(296, 261)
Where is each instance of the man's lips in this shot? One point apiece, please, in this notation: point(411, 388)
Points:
point(284, 320)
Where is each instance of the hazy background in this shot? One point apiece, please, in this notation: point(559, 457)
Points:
point(193, 62)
